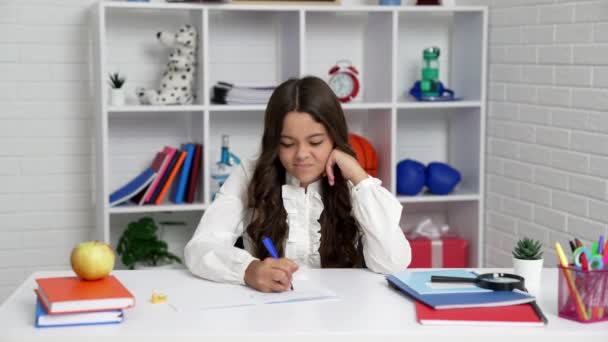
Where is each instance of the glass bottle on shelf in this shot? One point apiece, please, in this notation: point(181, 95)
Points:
point(223, 167)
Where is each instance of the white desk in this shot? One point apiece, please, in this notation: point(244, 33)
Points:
point(367, 310)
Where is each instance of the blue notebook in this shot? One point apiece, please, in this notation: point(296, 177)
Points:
point(403, 281)
point(180, 192)
point(133, 187)
point(420, 281)
point(44, 320)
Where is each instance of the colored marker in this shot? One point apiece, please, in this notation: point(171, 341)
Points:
point(580, 307)
point(572, 245)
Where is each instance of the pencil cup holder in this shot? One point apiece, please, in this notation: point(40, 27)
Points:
point(582, 296)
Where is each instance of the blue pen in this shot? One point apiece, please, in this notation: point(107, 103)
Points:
point(270, 248)
point(600, 246)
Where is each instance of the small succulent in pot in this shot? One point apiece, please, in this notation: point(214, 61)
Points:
point(528, 249)
point(116, 81)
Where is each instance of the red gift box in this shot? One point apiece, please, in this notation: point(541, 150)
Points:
point(448, 251)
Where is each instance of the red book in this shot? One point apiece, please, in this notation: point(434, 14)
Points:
point(72, 294)
point(194, 173)
point(156, 165)
point(169, 152)
point(512, 315)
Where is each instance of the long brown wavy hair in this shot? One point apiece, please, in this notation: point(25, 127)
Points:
point(339, 232)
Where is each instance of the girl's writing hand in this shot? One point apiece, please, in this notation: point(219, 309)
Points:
point(270, 275)
point(349, 166)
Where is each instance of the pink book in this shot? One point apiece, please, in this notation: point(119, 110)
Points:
point(140, 198)
point(169, 152)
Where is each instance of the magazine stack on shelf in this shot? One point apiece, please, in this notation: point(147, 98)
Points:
point(173, 171)
point(227, 93)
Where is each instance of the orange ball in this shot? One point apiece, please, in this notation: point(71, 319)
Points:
point(366, 154)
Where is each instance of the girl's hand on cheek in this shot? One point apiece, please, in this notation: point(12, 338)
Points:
point(349, 166)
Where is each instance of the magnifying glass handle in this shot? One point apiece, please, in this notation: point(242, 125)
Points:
point(446, 279)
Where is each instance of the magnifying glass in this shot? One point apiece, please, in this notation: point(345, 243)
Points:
point(490, 281)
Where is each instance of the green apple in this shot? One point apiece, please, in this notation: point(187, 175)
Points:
point(92, 260)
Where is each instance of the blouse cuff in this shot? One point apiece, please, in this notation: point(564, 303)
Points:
point(241, 267)
point(365, 184)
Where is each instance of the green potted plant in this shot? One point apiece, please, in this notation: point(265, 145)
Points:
point(139, 246)
point(528, 262)
point(117, 94)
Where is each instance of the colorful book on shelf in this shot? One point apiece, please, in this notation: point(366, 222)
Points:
point(165, 176)
point(44, 320)
point(174, 171)
point(455, 299)
point(194, 173)
point(512, 315)
point(60, 295)
point(182, 179)
point(156, 165)
point(169, 153)
point(137, 184)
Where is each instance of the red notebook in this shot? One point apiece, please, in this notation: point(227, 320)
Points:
point(71, 294)
point(512, 315)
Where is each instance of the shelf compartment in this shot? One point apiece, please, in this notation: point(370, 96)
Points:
point(364, 38)
point(131, 46)
point(133, 144)
point(176, 236)
point(460, 37)
point(463, 217)
point(245, 129)
point(253, 48)
point(374, 125)
point(450, 135)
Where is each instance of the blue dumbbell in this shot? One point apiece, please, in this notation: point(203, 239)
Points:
point(410, 177)
point(441, 178)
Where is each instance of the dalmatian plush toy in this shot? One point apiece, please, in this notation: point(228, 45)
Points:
point(176, 86)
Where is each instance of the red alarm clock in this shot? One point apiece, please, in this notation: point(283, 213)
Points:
point(344, 80)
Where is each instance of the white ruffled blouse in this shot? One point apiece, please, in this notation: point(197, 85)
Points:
point(211, 254)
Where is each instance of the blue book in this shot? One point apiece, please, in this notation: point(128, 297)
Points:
point(180, 192)
point(454, 298)
point(44, 320)
point(132, 188)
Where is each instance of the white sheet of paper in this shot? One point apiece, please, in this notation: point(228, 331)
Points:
point(303, 291)
point(218, 296)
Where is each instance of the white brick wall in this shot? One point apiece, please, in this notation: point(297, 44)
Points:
point(45, 136)
point(547, 162)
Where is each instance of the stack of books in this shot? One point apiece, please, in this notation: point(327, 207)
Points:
point(174, 171)
point(228, 93)
point(465, 303)
point(67, 301)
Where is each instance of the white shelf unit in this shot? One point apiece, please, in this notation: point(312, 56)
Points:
point(266, 44)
